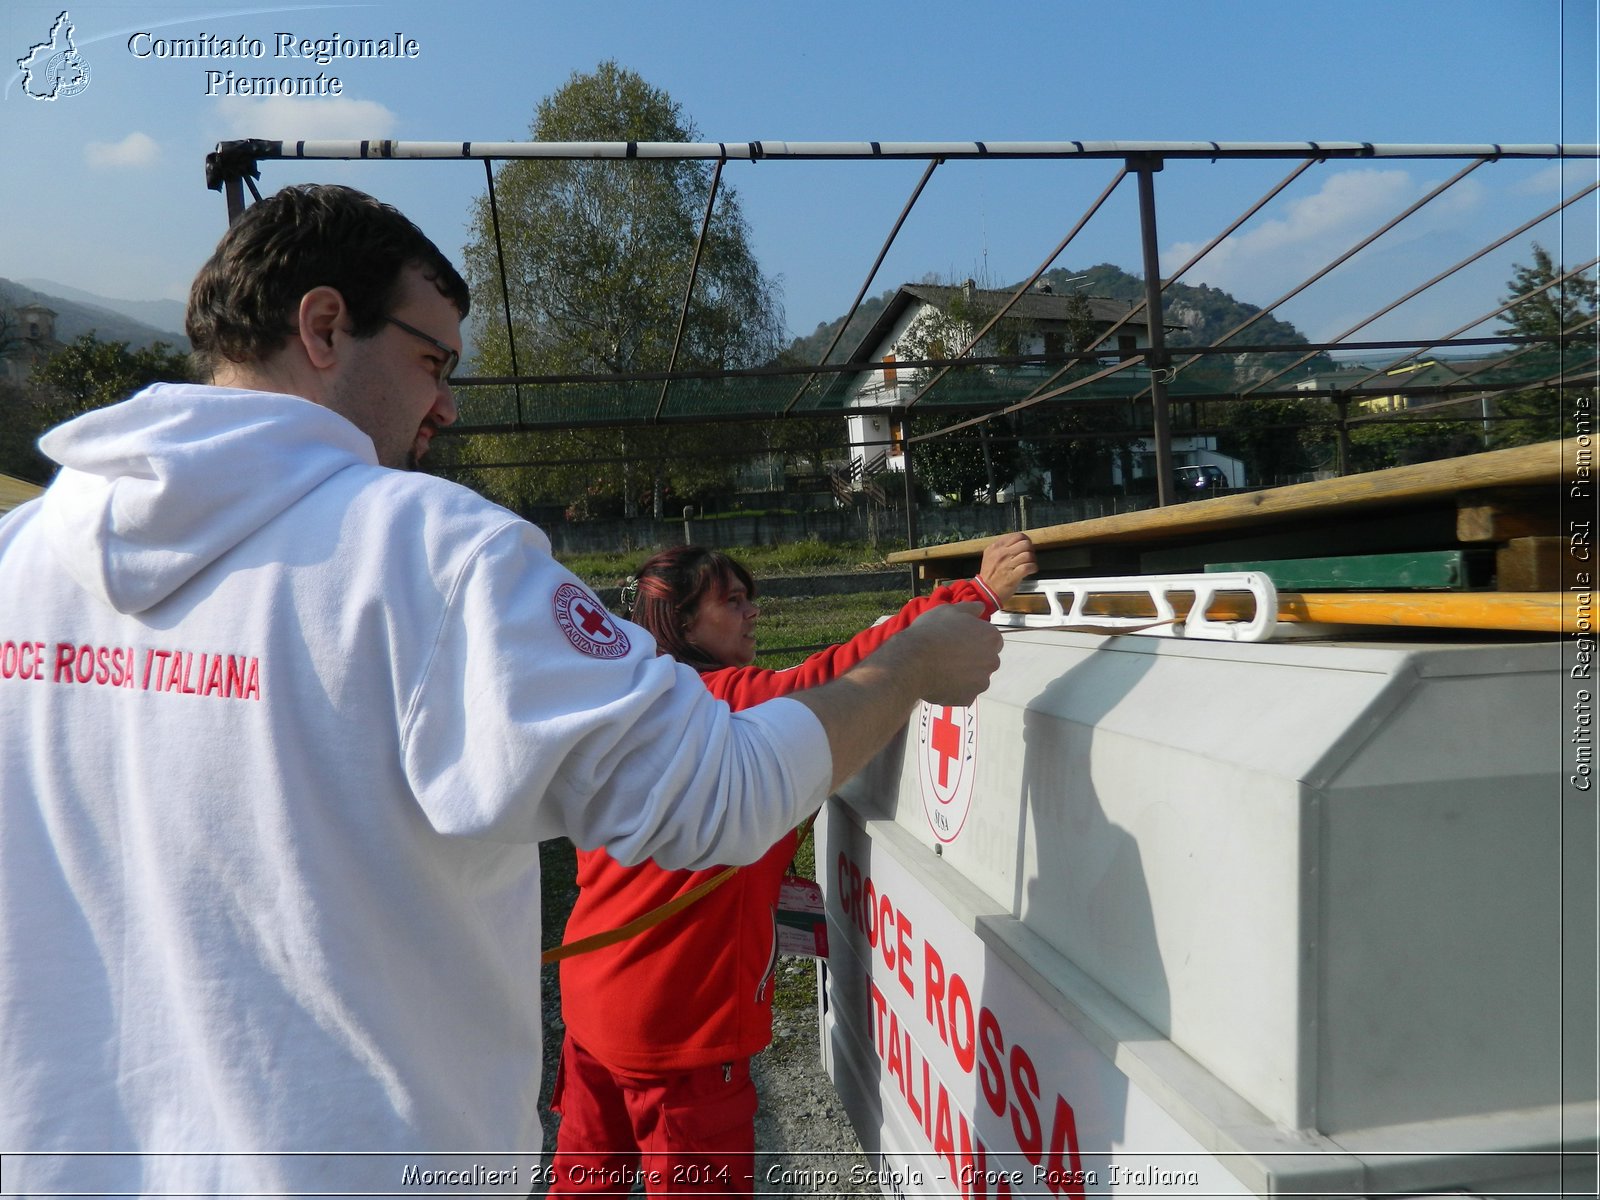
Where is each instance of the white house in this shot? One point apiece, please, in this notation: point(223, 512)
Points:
point(912, 328)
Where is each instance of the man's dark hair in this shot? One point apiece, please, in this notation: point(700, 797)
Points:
point(243, 302)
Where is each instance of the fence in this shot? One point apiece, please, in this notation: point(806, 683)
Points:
point(862, 524)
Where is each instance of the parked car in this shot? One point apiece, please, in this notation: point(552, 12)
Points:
point(1193, 482)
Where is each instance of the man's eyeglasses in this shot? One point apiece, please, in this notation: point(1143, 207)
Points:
point(452, 358)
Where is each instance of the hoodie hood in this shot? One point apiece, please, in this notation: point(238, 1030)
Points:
point(155, 489)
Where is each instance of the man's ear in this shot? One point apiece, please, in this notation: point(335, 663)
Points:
point(321, 316)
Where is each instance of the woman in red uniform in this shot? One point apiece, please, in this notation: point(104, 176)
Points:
point(654, 1080)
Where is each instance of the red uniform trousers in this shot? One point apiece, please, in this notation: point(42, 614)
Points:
point(691, 1133)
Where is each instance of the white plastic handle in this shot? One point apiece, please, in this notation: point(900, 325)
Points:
point(1067, 599)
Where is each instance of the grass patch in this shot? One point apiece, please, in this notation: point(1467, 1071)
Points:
point(790, 624)
point(809, 557)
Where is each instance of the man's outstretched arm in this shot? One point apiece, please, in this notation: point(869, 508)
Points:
point(945, 656)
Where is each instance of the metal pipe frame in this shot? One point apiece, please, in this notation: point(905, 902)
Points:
point(872, 274)
point(254, 150)
point(1022, 290)
point(688, 291)
point(1443, 275)
point(235, 165)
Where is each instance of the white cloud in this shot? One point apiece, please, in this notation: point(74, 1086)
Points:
point(1272, 256)
point(1558, 180)
point(1547, 181)
point(292, 118)
point(1275, 253)
point(135, 150)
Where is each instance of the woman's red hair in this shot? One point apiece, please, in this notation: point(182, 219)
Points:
point(672, 585)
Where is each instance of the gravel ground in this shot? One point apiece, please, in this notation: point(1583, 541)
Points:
point(800, 1127)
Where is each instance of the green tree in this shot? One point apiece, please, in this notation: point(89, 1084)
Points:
point(1375, 445)
point(969, 465)
point(10, 329)
point(20, 428)
point(809, 443)
point(597, 258)
point(85, 375)
point(1278, 438)
point(1547, 309)
point(1202, 315)
point(981, 459)
point(1064, 437)
point(89, 374)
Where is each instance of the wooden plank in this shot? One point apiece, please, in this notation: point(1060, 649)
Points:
point(1436, 569)
point(1326, 500)
point(1517, 612)
point(1536, 564)
point(1512, 513)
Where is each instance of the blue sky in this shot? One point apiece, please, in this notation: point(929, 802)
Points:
point(103, 189)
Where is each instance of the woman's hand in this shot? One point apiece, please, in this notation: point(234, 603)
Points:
point(1007, 561)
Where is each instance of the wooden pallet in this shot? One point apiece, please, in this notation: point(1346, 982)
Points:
point(1480, 542)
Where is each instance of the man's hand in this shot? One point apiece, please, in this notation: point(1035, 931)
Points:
point(1007, 561)
point(951, 652)
point(945, 656)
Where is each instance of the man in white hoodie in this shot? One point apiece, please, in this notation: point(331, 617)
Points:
point(281, 728)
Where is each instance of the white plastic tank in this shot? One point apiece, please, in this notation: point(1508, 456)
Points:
point(1175, 917)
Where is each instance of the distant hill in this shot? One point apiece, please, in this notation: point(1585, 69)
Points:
point(808, 349)
point(139, 323)
point(1206, 313)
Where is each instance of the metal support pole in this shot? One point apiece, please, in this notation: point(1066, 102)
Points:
point(688, 291)
point(867, 282)
point(505, 292)
point(233, 191)
point(1161, 424)
point(231, 166)
point(911, 509)
point(988, 460)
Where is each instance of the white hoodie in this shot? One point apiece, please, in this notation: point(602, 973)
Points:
point(279, 732)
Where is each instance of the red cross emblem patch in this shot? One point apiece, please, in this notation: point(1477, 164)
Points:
point(587, 624)
point(947, 745)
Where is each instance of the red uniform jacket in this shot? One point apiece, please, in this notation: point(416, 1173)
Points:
point(696, 989)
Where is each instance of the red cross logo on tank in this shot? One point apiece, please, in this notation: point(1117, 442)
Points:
point(947, 755)
point(587, 624)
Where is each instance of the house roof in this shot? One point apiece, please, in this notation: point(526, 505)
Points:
point(1415, 378)
point(1436, 371)
point(1038, 307)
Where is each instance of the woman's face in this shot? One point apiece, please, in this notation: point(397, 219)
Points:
point(724, 625)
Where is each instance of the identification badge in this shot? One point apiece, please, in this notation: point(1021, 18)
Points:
point(802, 928)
